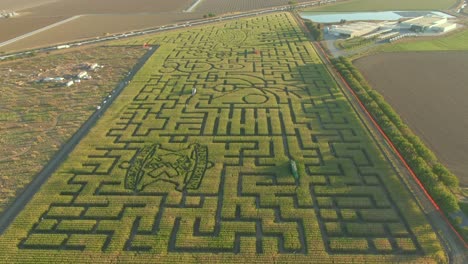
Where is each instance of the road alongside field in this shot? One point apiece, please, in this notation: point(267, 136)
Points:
point(455, 246)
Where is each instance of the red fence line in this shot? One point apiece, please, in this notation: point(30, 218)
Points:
point(395, 150)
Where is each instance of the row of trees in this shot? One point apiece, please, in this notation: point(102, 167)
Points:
point(436, 178)
point(315, 29)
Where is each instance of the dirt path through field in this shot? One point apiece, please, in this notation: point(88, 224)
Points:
point(429, 90)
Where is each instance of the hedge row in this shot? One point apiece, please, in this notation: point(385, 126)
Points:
point(436, 178)
point(315, 29)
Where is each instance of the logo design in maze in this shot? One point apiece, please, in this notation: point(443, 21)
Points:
point(184, 168)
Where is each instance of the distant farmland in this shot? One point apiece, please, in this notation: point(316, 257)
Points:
point(174, 174)
point(380, 5)
point(40, 16)
point(225, 6)
point(428, 89)
point(97, 25)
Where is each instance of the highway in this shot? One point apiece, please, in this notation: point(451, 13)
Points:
point(38, 31)
point(163, 28)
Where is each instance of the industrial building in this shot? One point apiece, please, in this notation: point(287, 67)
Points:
point(429, 22)
point(354, 29)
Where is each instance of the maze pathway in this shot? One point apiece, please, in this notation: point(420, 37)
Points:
point(192, 162)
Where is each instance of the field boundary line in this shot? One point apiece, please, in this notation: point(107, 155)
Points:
point(193, 6)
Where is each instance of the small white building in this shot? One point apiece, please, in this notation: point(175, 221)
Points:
point(82, 75)
point(69, 83)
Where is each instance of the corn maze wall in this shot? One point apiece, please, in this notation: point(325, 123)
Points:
point(192, 163)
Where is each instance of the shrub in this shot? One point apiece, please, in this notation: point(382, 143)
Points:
point(448, 178)
point(444, 198)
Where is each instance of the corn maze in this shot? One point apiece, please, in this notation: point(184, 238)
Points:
point(193, 163)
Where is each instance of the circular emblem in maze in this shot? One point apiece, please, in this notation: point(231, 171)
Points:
point(255, 99)
point(231, 37)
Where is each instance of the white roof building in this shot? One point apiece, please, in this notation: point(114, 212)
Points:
point(354, 29)
point(428, 22)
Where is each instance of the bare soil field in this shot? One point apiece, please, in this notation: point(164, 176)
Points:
point(429, 91)
point(73, 7)
point(42, 13)
point(226, 6)
point(36, 118)
point(97, 25)
point(14, 27)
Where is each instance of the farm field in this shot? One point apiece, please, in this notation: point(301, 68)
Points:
point(37, 118)
point(90, 26)
point(428, 89)
point(173, 175)
point(43, 13)
point(22, 4)
point(456, 41)
point(381, 5)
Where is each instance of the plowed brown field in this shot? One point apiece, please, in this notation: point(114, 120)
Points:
point(97, 25)
point(38, 14)
point(429, 90)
